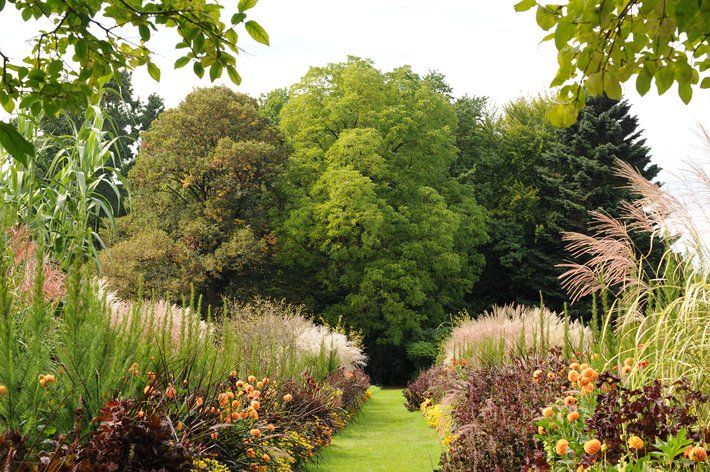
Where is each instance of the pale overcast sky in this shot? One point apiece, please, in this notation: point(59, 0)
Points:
point(483, 48)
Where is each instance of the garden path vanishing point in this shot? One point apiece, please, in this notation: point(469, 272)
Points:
point(384, 437)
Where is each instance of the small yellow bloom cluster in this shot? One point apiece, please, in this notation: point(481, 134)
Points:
point(208, 465)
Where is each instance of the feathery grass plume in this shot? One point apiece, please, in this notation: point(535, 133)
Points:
point(290, 338)
point(495, 336)
point(660, 315)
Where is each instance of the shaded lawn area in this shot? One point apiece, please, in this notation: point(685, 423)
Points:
point(383, 437)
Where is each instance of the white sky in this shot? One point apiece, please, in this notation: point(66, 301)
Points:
point(483, 48)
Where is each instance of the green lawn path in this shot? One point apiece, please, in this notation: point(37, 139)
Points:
point(383, 437)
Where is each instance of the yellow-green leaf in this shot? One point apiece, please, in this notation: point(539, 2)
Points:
point(245, 5)
point(525, 5)
point(685, 92)
point(563, 115)
point(154, 71)
point(257, 32)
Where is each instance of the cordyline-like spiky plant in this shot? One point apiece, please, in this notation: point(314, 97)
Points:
point(658, 313)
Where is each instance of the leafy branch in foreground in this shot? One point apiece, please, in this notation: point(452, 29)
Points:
point(91, 42)
point(602, 44)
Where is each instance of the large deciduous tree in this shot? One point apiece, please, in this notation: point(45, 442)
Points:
point(201, 186)
point(373, 218)
point(604, 43)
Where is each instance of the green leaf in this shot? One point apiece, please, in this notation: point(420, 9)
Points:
point(612, 87)
point(144, 31)
point(643, 82)
point(198, 69)
point(257, 32)
point(238, 18)
point(234, 75)
point(525, 5)
point(154, 71)
point(664, 79)
point(545, 18)
point(563, 115)
point(215, 72)
point(182, 62)
point(245, 5)
point(15, 144)
point(564, 32)
point(685, 91)
point(705, 83)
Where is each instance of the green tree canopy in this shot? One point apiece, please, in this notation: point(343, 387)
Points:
point(372, 214)
point(201, 189)
point(604, 43)
point(538, 181)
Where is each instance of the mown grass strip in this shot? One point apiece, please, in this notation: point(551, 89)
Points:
point(384, 437)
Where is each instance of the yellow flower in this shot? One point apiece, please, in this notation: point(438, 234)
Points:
point(573, 416)
point(574, 366)
point(626, 369)
point(550, 376)
point(635, 442)
point(561, 446)
point(629, 361)
point(548, 412)
point(540, 430)
point(583, 367)
point(3, 390)
point(592, 446)
point(570, 400)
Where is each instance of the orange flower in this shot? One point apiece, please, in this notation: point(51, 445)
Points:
point(270, 427)
point(198, 401)
point(548, 412)
point(573, 376)
point(179, 426)
point(236, 416)
point(550, 376)
point(148, 390)
point(570, 400)
point(643, 364)
point(626, 369)
point(540, 430)
point(152, 377)
point(170, 392)
point(255, 404)
point(561, 446)
point(590, 374)
point(214, 435)
point(250, 452)
point(266, 458)
point(687, 450)
point(251, 379)
point(587, 388)
point(256, 432)
point(698, 454)
point(253, 414)
point(574, 366)
point(537, 374)
point(233, 373)
point(592, 446)
point(140, 414)
point(573, 416)
point(3, 390)
point(635, 442)
point(260, 385)
point(628, 361)
point(223, 399)
point(288, 397)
